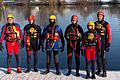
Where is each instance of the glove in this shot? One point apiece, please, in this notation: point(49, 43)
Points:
point(98, 50)
point(22, 44)
point(82, 52)
point(108, 44)
point(62, 48)
point(98, 53)
point(1, 47)
point(43, 49)
point(107, 49)
point(38, 47)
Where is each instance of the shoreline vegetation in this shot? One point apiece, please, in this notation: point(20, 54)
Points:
point(28, 2)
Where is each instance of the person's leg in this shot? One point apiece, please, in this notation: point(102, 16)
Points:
point(77, 60)
point(56, 61)
point(28, 61)
point(93, 69)
point(103, 57)
point(98, 61)
point(18, 63)
point(87, 58)
point(35, 61)
point(16, 52)
point(9, 56)
point(48, 60)
point(69, 61)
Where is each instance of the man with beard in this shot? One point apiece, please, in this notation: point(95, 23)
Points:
point(104, 30)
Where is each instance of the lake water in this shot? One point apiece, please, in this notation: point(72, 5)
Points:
point(64, 13)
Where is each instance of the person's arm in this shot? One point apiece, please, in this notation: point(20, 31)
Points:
point(108, 28)
point(2, 34)
point(61, 37)
point(81, 32)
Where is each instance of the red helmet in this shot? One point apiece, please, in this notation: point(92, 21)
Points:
point(31, 17)
point(101, 12)
point(74, 18)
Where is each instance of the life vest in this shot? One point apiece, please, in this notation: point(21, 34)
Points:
point(101, 28)
point(11, 33)
point(52, 34)
point(90, 39)
point(32, 32)
point(73, 34)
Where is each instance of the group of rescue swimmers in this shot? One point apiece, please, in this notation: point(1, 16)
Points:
point(95, 43)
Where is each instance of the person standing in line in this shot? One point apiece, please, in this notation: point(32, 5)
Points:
point(52, 33)
point(104, 30)
point(73, 35)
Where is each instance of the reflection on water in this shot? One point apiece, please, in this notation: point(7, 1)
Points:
point(85, 13)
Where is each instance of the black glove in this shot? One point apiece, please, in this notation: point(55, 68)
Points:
point(82, 52)
point(22, 44)
point(107, 47)
point(62, 48)
point(97, 52)
point(108, 44)
point(43, 49)
point(38, 47)
point(1, 47)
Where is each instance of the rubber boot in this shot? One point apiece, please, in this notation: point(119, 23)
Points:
point(19, 69)
point(104, 74)
point(57, 69)
point(9, 70)
point(88, 75)
point(48, 69)
point(93, 75)
point(69, 72)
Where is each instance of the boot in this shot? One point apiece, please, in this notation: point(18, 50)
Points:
point(98, 72)
point(93, 75)
point(69, 72)
point(104, 74)
point(88, 75)
point(28, 70)
point(9, 70)
point(48, 69)
point(35, 62)
point(57, 69)
point(19, 69)
point(35, 69)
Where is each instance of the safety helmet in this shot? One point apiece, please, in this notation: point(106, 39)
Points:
point(10, 15)
point(52, 17)
point(74, 18)
point(100, 12)
point(91, 23)
point(31, 17)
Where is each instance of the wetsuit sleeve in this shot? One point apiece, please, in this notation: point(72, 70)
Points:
point(43, 35)
point(109, 33)
point(61, 37)
point(83, 41)
point(2, 34)
point(40, 37)
point(66, 32)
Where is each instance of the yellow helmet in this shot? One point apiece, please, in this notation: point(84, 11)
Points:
point(91, 23)
point(10, 16)
point(52, 17)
